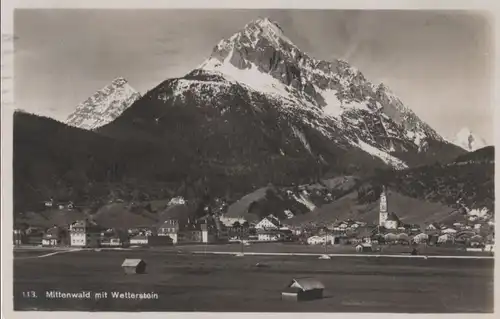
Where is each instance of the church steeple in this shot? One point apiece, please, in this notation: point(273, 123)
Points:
point(383, 213)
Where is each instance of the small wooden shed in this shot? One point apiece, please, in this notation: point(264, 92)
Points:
point(134, 266)
point(301, 289)
point(361, 248)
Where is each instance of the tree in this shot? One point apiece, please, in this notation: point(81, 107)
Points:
point(236, 224)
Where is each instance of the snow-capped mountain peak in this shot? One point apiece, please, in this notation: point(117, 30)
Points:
point(261, 57)
point(468, 140)
point(104, 106)
point(259, 68)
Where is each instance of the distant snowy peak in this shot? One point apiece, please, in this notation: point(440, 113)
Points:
point(104, 106)
point(469, 141)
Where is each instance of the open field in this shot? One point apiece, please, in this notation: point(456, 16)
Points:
point(292, 248)
point(197, 282)
point(320, 249)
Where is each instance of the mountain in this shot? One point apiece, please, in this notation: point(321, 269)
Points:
point(104, 106)
point(432, 193)
point(292, 201)
point(55, 161)
point(258, 111)
point(337, 98)
point(98, 173)
point(258, 88)
point(468, 140)
point(482, 155)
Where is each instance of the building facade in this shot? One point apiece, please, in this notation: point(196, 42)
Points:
point(383, 213)
point(269, 235)
point(85, 234)
point(186, 233)
point(269, 223)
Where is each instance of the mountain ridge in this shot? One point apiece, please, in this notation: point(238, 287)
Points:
point(211, 135)
point(364, 125)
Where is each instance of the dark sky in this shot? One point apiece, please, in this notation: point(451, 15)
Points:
point(439, 63)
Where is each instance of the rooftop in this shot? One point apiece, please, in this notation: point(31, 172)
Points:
point(306, 284)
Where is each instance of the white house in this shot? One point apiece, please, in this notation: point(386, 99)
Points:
point(474, 249)
point(390, 237)
point(477, 226)
point(229, 221)
point(139, 240)
point(314, 240)
point(288, 213)
point(421, 238)
point(270, 222)
point(268, 235)
point(84, 234)
point(320, 240)
point(432, 226)
point(391, 224)
point(445, 238)
point(364, 247)
point(354, 226)
point(391, 221)
point(449, 231)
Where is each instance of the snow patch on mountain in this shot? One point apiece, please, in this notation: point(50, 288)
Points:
point(384, 156)
point(250, 77)
point(300, 135)
point(333, 106)
point(104, 106)
point(198, 87)
point(306, 202)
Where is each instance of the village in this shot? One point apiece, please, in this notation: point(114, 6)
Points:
point(474, 235)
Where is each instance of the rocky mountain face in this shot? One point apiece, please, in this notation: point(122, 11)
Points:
point(469, 141)
point(313, 109)
point(104, 106)
point(261, 111)
point(258, 111)
point(342, 104)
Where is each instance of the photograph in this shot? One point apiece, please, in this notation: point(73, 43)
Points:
point(253, 161)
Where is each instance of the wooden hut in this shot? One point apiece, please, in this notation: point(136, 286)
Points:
point(364, 247)
point(301, 289)
point(134, 266)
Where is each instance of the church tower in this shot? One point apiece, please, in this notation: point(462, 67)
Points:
point(383, 214)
